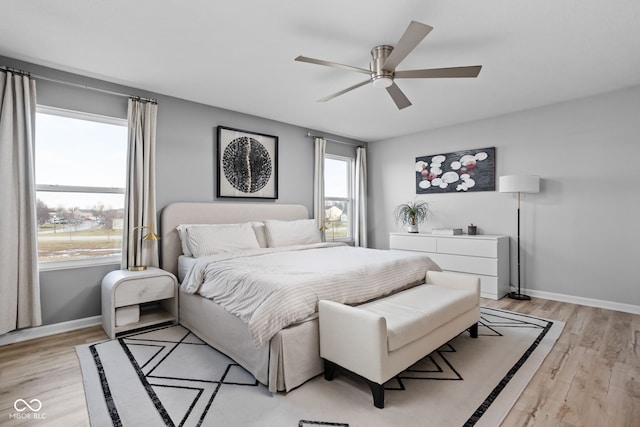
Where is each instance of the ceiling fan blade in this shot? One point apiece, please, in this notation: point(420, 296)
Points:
point(413, 35)
point(342, 92)
point(398, 97)
point(436, 73)
point(331, 64)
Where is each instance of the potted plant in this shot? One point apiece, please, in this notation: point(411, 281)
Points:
point(411, 214)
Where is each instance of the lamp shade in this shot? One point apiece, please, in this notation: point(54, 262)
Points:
point(519, 184)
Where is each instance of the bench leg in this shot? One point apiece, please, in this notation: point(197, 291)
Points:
point(329, 370)
point(473, 330)
point(377, 390)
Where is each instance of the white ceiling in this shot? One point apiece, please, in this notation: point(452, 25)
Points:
point(239, 54)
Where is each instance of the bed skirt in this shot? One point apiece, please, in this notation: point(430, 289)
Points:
point(291, 357)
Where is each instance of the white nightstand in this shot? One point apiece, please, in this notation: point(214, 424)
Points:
point(124, 288)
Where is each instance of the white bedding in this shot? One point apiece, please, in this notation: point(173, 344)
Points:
point(184, 266)
point(272, 288)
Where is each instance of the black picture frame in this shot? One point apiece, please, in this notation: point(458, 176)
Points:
point(464, 171)
point(247, 164)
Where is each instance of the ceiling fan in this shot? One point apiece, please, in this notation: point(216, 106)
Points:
point(385, 59)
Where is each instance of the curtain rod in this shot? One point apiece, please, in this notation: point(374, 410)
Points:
point(309, 134)
point(78, 85)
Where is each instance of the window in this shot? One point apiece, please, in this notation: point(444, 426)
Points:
point(80, 169)
point(338, 194)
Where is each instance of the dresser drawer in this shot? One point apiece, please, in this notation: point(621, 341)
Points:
point(472, 247)
point(466, 264)
point(489, 286)
point(408, 242)
point(145, 289)
point(485, 256)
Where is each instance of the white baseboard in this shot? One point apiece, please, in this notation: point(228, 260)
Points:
point(44, 331)
point(590, 302)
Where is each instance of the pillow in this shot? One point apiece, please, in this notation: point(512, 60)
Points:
point(289, 233)
point(182, 232)
point(210, 239)
point(261, 233)
point(258, 228)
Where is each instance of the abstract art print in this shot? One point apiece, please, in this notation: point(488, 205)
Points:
point(247, 164)
point(457, 172)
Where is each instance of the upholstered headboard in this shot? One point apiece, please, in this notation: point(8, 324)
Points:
point(175, 214)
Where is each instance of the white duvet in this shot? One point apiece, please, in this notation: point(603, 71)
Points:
point(272, 288)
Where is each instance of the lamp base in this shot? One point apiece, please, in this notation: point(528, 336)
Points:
point(518, 296)
point(137, 267)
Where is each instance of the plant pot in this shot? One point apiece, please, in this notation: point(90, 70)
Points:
point(411, 228)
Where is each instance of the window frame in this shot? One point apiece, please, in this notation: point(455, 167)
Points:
point(350, 199)
point(55, 188)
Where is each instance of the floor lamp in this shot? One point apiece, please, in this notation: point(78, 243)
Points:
point(519, 184)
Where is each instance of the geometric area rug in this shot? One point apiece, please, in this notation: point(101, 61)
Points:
point(168, 376)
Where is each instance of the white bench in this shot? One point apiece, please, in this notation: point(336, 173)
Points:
point(378, 340)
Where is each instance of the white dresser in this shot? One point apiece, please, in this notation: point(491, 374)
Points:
point(486, 256)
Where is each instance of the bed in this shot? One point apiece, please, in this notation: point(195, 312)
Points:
point(286, 357)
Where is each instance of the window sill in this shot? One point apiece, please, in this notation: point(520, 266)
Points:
point(80, 263)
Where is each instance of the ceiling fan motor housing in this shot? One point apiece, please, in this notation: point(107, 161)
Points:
point(379, 77)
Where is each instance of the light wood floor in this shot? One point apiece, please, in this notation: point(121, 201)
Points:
point(590, 378)
point(592, 375)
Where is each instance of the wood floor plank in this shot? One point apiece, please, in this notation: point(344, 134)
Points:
point(591, 377)
point(46, 369)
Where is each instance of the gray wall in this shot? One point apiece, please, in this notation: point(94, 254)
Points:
point(580, 233)
point(185, 164)
point(74, 293)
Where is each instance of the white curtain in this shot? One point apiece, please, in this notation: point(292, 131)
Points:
point(318, 184)
point(140, 196)
point(20, 285)
point(360, 215)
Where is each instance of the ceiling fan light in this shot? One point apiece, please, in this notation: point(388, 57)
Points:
point(382, 82)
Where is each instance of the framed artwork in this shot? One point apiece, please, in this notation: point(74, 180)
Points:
point(457, 172)
point(247, 164)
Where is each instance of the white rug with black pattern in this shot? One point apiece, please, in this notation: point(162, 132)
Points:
point(168, 376)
